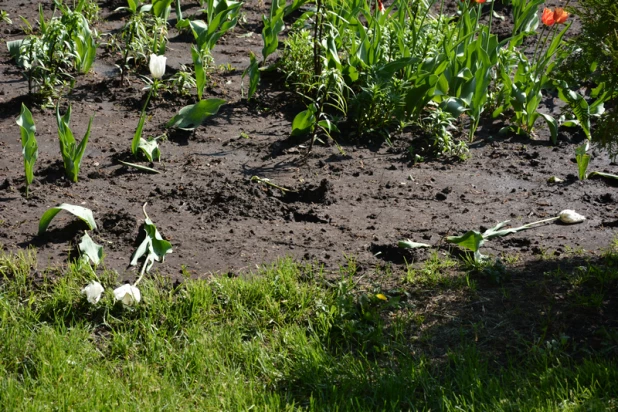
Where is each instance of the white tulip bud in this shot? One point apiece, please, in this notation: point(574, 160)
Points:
point(127, 294)
point(157, 66)
point(93, 292)
point(570, 217)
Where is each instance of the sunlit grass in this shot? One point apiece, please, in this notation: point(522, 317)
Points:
point(282, 339)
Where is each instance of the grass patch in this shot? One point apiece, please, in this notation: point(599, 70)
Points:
point(282, 339)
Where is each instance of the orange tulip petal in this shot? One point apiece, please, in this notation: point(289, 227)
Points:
point(548, 17)
point(560, 15)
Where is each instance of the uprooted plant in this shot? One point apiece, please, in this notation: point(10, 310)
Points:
point(473, 239)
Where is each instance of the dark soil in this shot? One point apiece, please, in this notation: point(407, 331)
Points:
point(357, 204)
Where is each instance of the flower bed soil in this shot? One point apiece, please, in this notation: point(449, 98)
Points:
point(357, 204)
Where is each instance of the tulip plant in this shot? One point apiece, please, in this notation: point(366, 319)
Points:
point(72, 152)
point(30, 148)
point(149, 147)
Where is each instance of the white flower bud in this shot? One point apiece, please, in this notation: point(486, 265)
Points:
point(570, 217)
point(127, 294)
point(93, 292)
point(157, 66)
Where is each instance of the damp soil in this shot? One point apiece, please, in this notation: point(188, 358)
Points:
point(337, 204)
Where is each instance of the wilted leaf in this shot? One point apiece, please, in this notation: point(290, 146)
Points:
point(90, 250)
point(140, 167)
point(193, 115)
point(82, 213)
point(408, 244)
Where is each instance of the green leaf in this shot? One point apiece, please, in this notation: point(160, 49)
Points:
point(583, 159)
point(200, 74)
point(553, 126)
point(192, 116)
point(471, 240)
point(139, 167)
point(455, 106)
point(304, 122)
point(602, 174)
point(161, 8)
point(30, 147)
point(14, 47)
point(138, 133)
point(578, 105)
point(254, 75)
point(408, 244)
point(497, 230)
point(80, 212)
point(90, 250)
point(71, 152)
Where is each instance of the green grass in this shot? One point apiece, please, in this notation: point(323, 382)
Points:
point(282, 339)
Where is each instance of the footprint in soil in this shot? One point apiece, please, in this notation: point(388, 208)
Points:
point(70, 233)
point(390, 253)
point(310, 193)
point(121, 224)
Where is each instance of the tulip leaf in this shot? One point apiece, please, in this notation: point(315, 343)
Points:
point(90, 251)
point(150, 148)
point(140, 167)
point(30, 148)
point(553, 126)
point(602, 174)
point(304, 122)
point(82, 213)
point(408, 244)
point(192, 116)
point(471, 240)
point(583, 159)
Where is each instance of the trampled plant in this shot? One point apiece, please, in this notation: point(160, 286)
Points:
point(30, 148)
point(72, 152)
point(153, 247)
point(473, 240)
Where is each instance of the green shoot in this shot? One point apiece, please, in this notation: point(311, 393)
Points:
point(72, 152)
point(30, 148)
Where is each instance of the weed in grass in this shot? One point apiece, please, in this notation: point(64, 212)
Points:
point(435, 271)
